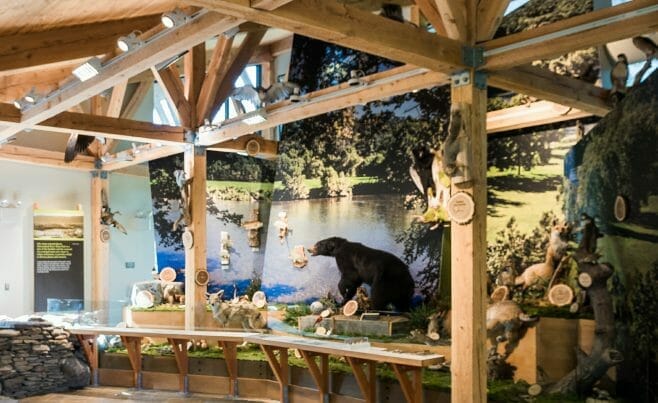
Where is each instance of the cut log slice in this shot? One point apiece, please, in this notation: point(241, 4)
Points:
point(259, 299)
point(560, 295)
point(144, 299)
point(500, 293)
point(168, 275)
point(534, 390)
point(434, 336)
point(585, 280)
point(326, 313)
point(321, 331)
point(350, 308)
point(621, 208)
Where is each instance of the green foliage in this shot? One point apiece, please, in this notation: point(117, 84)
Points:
point(292, 313)
point(424, 245)
point(255, 284)
point(620, 156)
point(513, 251)
point(234, 167)
point(291, 168)
point(536, 13)
point(419, 316)
point(335, 184)
point(522, 151)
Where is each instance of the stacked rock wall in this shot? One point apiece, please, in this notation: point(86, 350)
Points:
point(37, 358)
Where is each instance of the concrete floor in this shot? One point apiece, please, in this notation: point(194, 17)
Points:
point(103, 394)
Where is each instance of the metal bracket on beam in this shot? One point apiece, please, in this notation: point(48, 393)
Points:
point(190, 137)
point(464, 78)
point(472, 56)
point(199, 150)
point(99, 174)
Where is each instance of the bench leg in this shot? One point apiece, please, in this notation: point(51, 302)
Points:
point(413, 390)
point(367, 383)
point(231, 357)
point(134, 346)
point(180, 353)
point(90, 349)
point(280, 368)
point(319, 373)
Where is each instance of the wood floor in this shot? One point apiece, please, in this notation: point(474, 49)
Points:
point(103, 394)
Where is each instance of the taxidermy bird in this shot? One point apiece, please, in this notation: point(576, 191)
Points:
point(646, 46)
point(260, 96)
point(77, 143)
point(392, 11)
point(618, 77)
point(107, 216)
point(425, 172)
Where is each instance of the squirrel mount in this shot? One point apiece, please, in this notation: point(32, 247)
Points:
point(185, 186)
point(456, 148)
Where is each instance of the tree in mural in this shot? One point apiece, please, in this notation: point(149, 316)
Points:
point(521, 152)
point(620, 156)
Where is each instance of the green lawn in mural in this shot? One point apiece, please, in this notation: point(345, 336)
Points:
point(526, 194)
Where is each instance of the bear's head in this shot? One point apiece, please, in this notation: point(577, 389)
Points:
point(327, 247)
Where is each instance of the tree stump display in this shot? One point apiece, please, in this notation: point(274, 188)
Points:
point(593, 277)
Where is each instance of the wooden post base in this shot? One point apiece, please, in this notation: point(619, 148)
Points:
point(180, 353)
point(319, 373)
point(231, 358)
point(90, 349)
point(367, 384)
point(133, 345)
point(280, 368)
point(412, 388)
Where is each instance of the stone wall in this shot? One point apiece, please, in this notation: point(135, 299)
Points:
point(38, 358)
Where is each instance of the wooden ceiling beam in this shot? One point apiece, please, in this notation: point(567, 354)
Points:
point(544, 84)
point(281, 46)
point(141, 154)
point(530, 115)
point(580, 32)
point(161, 47)
point(348, 26)
point(219, 63)
point(247, 48)
point(432, 15)
point(389, 83)
point(172, 86)
point(489, 15)
point(66, 43)
point(454, 16)
point(268, 149)
point(15, 84)
point(269, 5)
point(37, 156)
point(194, 70)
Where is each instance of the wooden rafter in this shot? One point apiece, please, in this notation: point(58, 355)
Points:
point(16, 83)
point(37, 156)
point(194, 65)
point(238, 63)
point(543, 84)
point(381, 85)
point(219, 63)
point(66, 43)
point(141, 154)
point(136, 99)
point(432, 15)
point(167, 45)
point(268, 149)
point(530, 115)
point(489, 16)
point(580, 32)
point(172, 86)
point(454, 16)
point(268, 5)
point(348, 26)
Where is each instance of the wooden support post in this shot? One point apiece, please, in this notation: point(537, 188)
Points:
point(180, 353)
point(367, 383)
point(231, 358)
point(195, 257)
point(319, 373)
point(90, 349)
point(468, 256)
point(280, 368)
point(100, 251)
point(412, 388)
point(133, 345)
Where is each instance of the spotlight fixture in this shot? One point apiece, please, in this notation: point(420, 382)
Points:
point(20, 103)
point(90, 69)
point(174, 18)
point(32, 96)
point(255, 117)
point(356, 78)
point(130, 41)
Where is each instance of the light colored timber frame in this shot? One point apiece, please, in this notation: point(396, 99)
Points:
point(463, 43)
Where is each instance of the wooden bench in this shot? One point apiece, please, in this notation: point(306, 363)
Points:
point(405, 365)
point(132, 340)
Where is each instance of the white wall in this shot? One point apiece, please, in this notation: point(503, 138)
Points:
point(63, 189)
point(51, 189)
point(129, 194)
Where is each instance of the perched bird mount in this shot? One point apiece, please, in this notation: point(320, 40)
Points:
point(456, 148)
point(184, 184)
point(650, 50)
point(77, 143)
point(107, 215)
point(618, 78)
point(259, 96)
